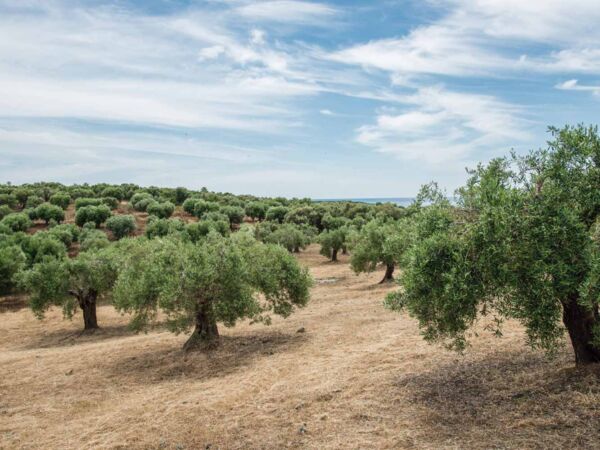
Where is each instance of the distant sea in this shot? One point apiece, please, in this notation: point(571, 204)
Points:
point(401, 201)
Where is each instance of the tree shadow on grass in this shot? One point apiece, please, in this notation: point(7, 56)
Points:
point(156, 365)
point(71, 337)
point(507, 400)
point(12, 302)
point(375, 286)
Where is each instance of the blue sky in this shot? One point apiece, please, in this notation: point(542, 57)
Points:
point(286, 97)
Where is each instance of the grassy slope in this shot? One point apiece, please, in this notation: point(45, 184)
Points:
point(359, 377)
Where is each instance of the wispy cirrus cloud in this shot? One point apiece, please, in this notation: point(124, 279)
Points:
point(573, 85)
point(237, 88)
point(490, 38)
point(440, 126)
point(290, 11)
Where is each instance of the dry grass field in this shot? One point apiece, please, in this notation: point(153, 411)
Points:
point(358, 377)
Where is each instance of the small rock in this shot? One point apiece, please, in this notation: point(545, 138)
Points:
point(301, 330)
point(69, 372)
point(302, 429)
point(299, 405)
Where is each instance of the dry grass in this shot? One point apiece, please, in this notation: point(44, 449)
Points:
point(359, 377)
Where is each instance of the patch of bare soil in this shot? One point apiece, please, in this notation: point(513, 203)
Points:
point(358, 377)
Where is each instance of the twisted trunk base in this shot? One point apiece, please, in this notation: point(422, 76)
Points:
point(205, 334)
point(334, 254)
point(389, 274)
point(580, 323)
point(87, 303)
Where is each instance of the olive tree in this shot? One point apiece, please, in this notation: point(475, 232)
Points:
point(8, 199)
point(161, 210)
point(92, 239)
point(276, 213)
point(163, 227)
point(112, 191)
point(199, 285)
point(111, 202)
point(17, 222)
point(96, 214)
point(21, 194)
point(42, 245)
point(121, 225)
point(256, 210)
point(5, 211)
point(197, 230)
point(235, 214)
point(70, 283)
point(12, 260)
point(522, 243)
point(380, 242)
point(82, 202)
point(292, 237)
point(66, 233)
point(332, 242)
point(189, 205)
point(181, 194)
point(201, 207)
point(33, 201)
point(61, 199)
point(48, 212)
point(141, 200)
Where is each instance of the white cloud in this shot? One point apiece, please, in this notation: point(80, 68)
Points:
point(184, 70)
point(573, 85)
point(430, 50)
point(326, 112)
point(480, 37)
point(549, 21)
point(287, 11)
point(257, 36)
point(212, 52)
point(444, 127)
point(238, 103)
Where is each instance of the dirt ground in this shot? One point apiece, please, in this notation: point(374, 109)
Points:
point(358, 377)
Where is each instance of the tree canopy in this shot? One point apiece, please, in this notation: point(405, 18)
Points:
point(380, 242)
point(521, 243)
point(70, 283)
point(217, 280)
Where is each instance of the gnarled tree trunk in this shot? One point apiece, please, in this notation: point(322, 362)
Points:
point(389, 273)
point(580, 322)
point(206, 333)
point(334, 253)
point(87, 303)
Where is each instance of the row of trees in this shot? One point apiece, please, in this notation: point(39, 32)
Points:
point(198, 274)
point(196, 284)
point(521, 240)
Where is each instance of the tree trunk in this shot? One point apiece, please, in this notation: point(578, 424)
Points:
point(389, 273)
point(344, 250)
point(334, 253)
point(296, 249)
point(580, 322)
point(206, 333)
point(88, 306)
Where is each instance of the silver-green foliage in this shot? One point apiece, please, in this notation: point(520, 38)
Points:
point(215, 280)
point(121, 225)
point(521, 243)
